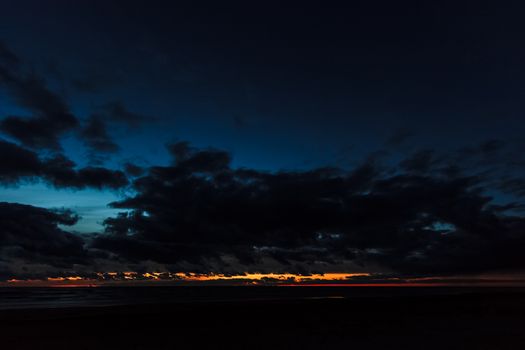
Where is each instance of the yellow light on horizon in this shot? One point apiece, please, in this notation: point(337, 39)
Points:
point(249, 278)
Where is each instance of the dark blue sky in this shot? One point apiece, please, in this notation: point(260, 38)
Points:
point(420, 87)
point(284, 87)
point(281, 87)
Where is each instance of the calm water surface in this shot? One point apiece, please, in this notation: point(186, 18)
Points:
point(22, 298)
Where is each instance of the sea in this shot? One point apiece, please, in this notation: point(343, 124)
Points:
point(45, 298)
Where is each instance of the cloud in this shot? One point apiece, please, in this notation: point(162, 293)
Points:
point(190, 159)
point(94, 132)
point(96, 80)
point(199, 214)
point(514, 186)
point(61, 173)
point(115, 111)
point(95, 136)
point(51, 117)
point(485, 148)
point(133, 170)
point(398, 138)
point(33, 246)
point(7, 56)
point(18, 164)
point(419, 162)
point(199, 209)
point(428, 214)
point(41, 131)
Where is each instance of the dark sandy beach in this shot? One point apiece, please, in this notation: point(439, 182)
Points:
point(474, 320)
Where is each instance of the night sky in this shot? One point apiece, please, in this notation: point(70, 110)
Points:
point(383, 139)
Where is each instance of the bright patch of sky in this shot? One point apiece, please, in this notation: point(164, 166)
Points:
point(91, 205)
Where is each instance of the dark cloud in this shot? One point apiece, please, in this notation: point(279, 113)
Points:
point(485, 148)
point(32, 245)
point(95, 134)
point(419, 162)
point(192, 160)
point(200, 209)
point(18, 164)
point(500, 163)
point(50, 117)
point(116, 111)
point(95, 81)
point(492, 146)
point(398, 138)
point(60, 172)
point(199, 214)
point(133, 169)
point(7, 56)
point(514, 186)
point(85, 85)
point(96, 137)
point(42, 130)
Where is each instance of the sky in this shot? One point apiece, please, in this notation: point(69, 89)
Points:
point(378, 138)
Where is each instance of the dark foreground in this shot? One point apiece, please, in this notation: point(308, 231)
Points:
point(472, 320)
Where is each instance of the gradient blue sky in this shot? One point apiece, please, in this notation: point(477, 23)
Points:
point(283, 88)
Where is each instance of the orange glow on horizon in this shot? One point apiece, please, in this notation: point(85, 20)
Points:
point(102, 278)
point(335, 279)
point(271, 276)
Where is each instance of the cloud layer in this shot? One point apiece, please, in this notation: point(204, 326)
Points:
point(33, 246)
point(413, 218)
point(18, 165)
point(422, 214)
point(406, 218)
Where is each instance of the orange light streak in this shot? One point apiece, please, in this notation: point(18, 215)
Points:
point(280, 279)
